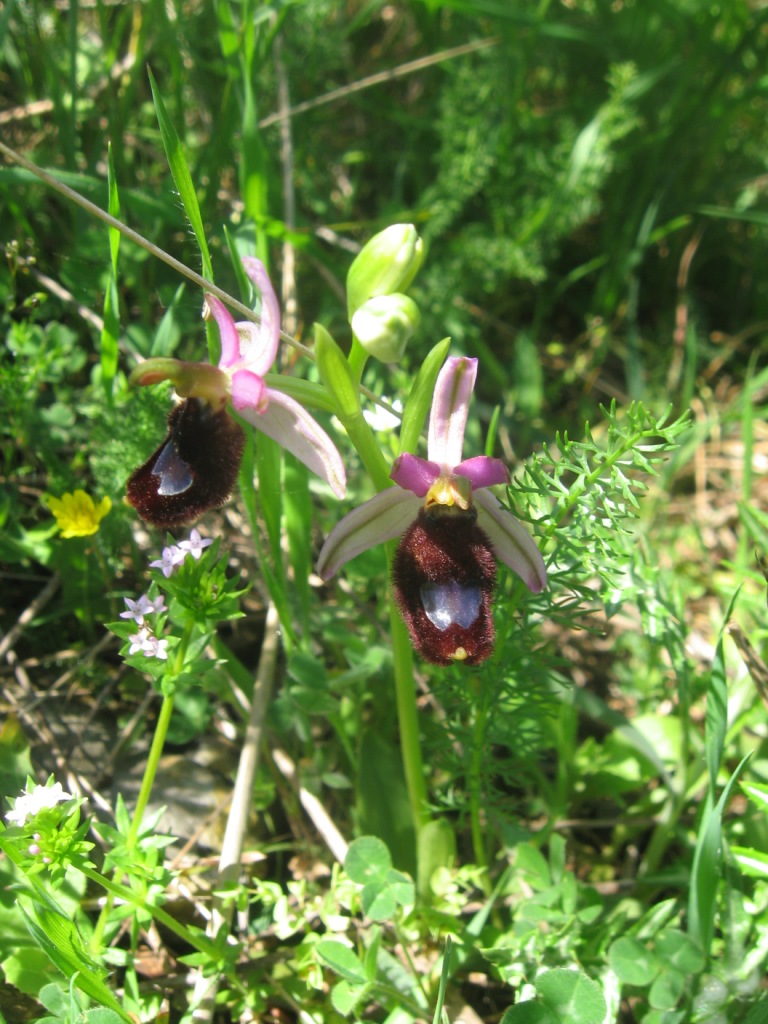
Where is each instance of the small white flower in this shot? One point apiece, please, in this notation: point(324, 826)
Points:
point(139, 640)
point(156, 648)
point(144, 606)
point(172, 556)
point(195, 545)
point(31, 802)
point(136, 610)
point(149, 645)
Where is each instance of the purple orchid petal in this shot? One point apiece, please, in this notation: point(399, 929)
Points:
point(512, 543)
point(450, 405)
point(248, 391)
point(265, 350)
point(483, 471)
point(414, 474)
point(388, 514)
point(230, 339)
point(289, 423)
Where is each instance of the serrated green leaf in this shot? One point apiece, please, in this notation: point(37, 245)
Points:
point(181, 176)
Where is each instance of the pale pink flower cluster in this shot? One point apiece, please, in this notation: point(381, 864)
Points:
point(175, 554)
point(148, 644)
point(138, 610)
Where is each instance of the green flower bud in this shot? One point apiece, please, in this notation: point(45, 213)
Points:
point(385, 324)
point(386, 264)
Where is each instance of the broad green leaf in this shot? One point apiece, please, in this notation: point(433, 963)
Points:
point(167, 335)
point(346, 996)
point(532, 1012)
point(757, 793)
point(336, 375)
point(667, 989)
point(677, 949)
point(342, 960)
point(58, 937)
point(367, 860)
point(632, 963)
point(572, 996)
point(436, 843)
point(751, 862)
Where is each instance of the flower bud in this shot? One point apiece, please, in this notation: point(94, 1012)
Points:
point(385, 324)
point(386, 264)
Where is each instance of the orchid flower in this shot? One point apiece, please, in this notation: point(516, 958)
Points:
point(453, 528)
point(196, 466)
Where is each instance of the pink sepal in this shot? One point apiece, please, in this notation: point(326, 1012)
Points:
point(450, 405)
point(388, 514)
point(289, 423)
point(512, 544)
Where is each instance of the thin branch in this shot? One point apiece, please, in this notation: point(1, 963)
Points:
point(378, 79)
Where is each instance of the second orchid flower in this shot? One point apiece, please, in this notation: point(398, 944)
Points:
point(195, 468)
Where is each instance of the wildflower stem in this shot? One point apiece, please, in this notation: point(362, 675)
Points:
point(123, 892)
point(155, 752)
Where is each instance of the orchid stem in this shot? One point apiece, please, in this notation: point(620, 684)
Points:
point(475, 803)
point(408, 719)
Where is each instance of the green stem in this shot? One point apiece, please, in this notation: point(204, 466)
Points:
point(408, 720)
point(155, 753)
point(161, 731)
point(357, 359)
point(475, 774)
point(122, 892)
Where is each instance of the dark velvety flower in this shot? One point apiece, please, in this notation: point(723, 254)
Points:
point(196, 466)
point(453, 530)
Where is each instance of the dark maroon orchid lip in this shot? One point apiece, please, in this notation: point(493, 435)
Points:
point(194, 469)
point(444, 577)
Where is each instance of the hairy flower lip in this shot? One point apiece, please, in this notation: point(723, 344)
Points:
point(388, 514)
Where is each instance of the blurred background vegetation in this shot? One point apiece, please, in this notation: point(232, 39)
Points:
point(590, 178)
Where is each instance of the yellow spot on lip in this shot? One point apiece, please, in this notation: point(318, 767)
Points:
point(450, 490)
point(460, 654)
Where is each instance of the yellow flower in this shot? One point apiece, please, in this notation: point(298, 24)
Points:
point(77, 515)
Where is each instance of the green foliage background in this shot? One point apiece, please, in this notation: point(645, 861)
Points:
point(590, 181)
